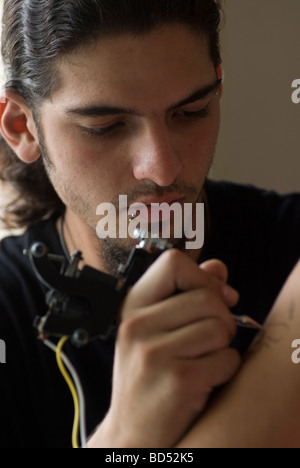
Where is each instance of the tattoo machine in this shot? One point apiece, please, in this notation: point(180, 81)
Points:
point(84, 304)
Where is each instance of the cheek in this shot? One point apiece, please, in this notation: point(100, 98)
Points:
point(201, 144)
point(83, 168)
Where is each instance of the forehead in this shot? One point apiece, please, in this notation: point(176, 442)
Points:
point(156, 67)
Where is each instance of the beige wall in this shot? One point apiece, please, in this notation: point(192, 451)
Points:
point(260, 134)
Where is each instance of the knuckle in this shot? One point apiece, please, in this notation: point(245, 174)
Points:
point(190, 387)
point(234, 358)
point(209, 297)
point(183, 379)
point(221, 333)
point(180, 379)
point(133, 334)
point(151, 354)
point(224, 324)
point(172, 257)
point(229, 364)
point(130, 329)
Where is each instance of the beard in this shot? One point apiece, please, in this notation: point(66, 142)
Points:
point(114, 254)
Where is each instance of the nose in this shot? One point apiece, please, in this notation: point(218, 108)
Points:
point(155, 157)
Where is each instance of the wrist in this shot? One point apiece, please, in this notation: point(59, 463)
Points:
point(110, 435)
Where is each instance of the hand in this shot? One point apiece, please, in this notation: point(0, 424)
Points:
point(263, 398)
point(172, 351)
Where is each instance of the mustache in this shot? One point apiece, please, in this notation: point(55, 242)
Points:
point(154, 190)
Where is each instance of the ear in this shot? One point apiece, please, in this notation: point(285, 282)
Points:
point(18, 128)
point(221, 76)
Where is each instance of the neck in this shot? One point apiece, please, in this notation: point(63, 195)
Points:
point(76, 235)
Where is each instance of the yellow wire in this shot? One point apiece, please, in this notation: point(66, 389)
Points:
point(72, 389)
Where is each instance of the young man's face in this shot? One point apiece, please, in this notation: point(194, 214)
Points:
point(127, 119)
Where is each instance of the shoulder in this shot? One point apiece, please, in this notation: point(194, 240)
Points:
point(257, 214)
point(21, 294)
point(13, 248)
point(256, 232)
point(246, 197)
point(13, 261)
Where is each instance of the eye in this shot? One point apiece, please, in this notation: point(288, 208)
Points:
point(192, 115)
point(101, 131)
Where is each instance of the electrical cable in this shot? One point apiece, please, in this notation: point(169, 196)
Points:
point(62, 238)
point(77, 392)
point(72, 389)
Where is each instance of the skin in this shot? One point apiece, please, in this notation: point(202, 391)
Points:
point(176, 348)
point(260, 407)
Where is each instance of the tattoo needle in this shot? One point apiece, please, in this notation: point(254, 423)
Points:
point(247, 322)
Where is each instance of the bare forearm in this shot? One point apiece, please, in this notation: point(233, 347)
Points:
point(261, 406)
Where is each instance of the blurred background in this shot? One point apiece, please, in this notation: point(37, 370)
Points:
point(260, 131)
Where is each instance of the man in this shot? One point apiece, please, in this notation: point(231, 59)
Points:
point(98, 102)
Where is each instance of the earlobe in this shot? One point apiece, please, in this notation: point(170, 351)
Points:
point(220, 72)
point(17, 127)
point(221, 75)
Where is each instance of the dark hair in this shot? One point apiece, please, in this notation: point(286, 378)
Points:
point(37, 32)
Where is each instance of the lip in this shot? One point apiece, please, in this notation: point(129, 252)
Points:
point(153, 208)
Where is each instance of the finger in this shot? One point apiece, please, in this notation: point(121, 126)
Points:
point(199, 339)
point(176, 312)
point(219, 271)
point(230, 296)
point(195, 379)
point(173, 271)
point(216, 268)
point(212, 370)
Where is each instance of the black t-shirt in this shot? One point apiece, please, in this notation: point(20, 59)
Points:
point(255, 232)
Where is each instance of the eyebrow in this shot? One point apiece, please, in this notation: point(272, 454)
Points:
point(104, 110)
